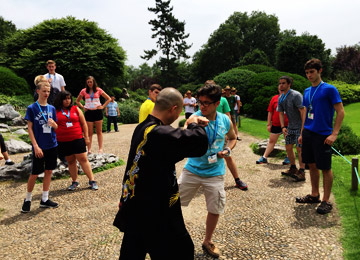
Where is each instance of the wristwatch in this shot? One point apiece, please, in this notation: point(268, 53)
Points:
point(229, 151)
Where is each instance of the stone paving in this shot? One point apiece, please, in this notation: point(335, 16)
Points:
point(261, 223)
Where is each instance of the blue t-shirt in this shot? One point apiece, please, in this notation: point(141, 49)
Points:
point(112, 109)
point(200, 165)
point(33, 114)
point(323, 101)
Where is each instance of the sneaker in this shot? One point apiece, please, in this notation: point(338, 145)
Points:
point(324, 208)
point(74, 185)
point(211, 249)
point(48, 204)
point(238, 138)
point(26, 206)
point(93, 185)
point(9, 163)
point(299, 176)
point(241, 185)
point(290, 173)
point(286, 161)
point(261, 160)
point(116, 130)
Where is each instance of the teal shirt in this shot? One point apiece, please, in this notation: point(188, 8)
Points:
point(224, 106)
point(200, 165)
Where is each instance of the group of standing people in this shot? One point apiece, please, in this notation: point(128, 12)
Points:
point(58, 128)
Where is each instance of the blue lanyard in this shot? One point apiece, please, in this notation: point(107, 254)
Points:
point(149, 98)
point(92, 97)
point(54, 77)
point(212, 140)
point(67, 115)
point(282, 98)
point(47, 106)
point(311, 99)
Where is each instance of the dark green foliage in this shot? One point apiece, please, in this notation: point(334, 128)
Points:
point(19, 102)
point(25, 138)
point(79, 48)
point(171, 41)
point(128, 114)
point(255, 57)
point(347, 141)
point(139, 96)
point(349, 93)
point(190, 86)
point(7, 28)
point(142, 77)
point(346, 65)
point(240, 34)
point(182, 122)
point(116, 92)
point(11, 84)
point(257, 68)
point(292, 52)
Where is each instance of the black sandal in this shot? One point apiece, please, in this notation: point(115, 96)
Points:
point(308, 199)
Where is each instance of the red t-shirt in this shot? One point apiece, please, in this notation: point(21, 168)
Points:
point(65, 132)
point(275, 116)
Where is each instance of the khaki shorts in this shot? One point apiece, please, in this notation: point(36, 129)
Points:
point(214, 191)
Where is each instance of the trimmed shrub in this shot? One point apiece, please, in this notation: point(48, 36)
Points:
point(11, 84)
point(128, 114)
point(347, 141)
point(257, 68)
point(182, 122)
point(117, 92)
point(138, 95)
point(349, 93)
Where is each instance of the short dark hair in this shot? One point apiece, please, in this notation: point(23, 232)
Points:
point(58, 103)
point(50, 62)
point(288, 79)
point(212, 91)
point(155, 86)
point(313, 64)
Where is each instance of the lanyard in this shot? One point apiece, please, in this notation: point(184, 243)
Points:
point(47, 106)
point(67, 115)
point(282, 98)
point(311, 99)
point(54, 77)
point(212, 140)
point(92, 97)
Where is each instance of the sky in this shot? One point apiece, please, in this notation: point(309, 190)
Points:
point(335, 22)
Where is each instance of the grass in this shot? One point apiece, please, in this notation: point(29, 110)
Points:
point(254, 127)
point(348, 203)
point(352, 113)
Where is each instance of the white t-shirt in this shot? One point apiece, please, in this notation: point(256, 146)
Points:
point(237, 98)
point(57, 80)
point(189, 109)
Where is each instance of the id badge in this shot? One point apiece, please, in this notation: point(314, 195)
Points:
point(212, 158)
point(311, 115)
point(46, 129)
point(69, 124)
point(92, 105)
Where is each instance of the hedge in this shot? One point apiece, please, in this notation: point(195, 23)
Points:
point(349, 93)
point(11, 84)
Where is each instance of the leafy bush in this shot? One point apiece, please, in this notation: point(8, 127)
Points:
point(257, 68)
point(11, 84)
point(347, 141)
point(349, 93)
point(138, 95)
point(182, 122)
point(25, 138)
point(128, 114)
point(116, 92)
point(18, 101)
point(190, 86)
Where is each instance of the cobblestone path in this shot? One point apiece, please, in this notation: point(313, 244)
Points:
point(261, 223)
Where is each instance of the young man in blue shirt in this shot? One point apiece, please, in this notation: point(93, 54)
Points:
point(112, 113)
point(318, 135)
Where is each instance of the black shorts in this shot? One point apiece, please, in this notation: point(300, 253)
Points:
point(76, 146)
point(276, 130)
point(2, 144)
point(315, 151)
point(48, 162)
point(93, 115)
point(187, 115)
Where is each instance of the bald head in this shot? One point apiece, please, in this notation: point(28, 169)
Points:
point(168, 98)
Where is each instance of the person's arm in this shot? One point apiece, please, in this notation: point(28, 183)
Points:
point(238, 104)
point(118, 111)
point(106, 111)
point(282, 123)
point(269, 117)
point(78, 103)
point(303, 118)
point(37, 150)
point(340, 114)
point(108, 99)
point(231, 142)
point(62, 88)
point(84, 126)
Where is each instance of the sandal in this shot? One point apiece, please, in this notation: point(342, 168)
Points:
point(211, 249)
point(324, 208)
point(308, 199)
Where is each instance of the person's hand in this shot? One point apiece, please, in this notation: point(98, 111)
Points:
point(330, 139)
point(200, 120)
point(106, 115)
point(1, 157)
point(269, 128)
point(51, 123)
point(87, 140)
point(285, 131)
point(38, 152)
point(222, 153)
point(85, 109)
point(50, 80)
point(300, 139)
point(100, 107)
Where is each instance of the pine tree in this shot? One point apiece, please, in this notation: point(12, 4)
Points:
point(171, 41)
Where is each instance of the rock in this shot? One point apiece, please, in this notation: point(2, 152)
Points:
point(18, 121)
point(4, 128)
point(21, 132)
point(22, 170)
point(15, 146)
point(277, 149)
point(125, 94)
point(7, 112)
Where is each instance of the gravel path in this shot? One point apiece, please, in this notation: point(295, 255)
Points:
point(261, 223)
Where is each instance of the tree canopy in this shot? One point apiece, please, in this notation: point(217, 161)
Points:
point(79, 48)
point(346, 64)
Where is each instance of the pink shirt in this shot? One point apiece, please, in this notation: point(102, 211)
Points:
point(94, 101)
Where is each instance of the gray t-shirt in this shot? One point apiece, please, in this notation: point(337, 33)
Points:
point(291, 105)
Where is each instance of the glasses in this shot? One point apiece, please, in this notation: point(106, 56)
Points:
point(205, 104)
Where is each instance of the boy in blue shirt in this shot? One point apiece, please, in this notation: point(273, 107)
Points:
point(318, 134)
point(41, 119)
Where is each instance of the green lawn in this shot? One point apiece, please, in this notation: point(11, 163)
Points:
point(254, 127)
point(352, 117)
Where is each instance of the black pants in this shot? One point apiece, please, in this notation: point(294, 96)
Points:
point(112, 119)
point(135, 246)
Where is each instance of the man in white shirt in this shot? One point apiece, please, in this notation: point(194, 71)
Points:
point(189, 104)
point(237, 106)
point(55, 80)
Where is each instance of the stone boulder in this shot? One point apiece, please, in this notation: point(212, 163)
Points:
point(21, 132)
point(16, 146)
point(18, 121)
point(277, 149)
point(4, 128)
point(7, 112)
point(22, 170)
point(125, 94)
